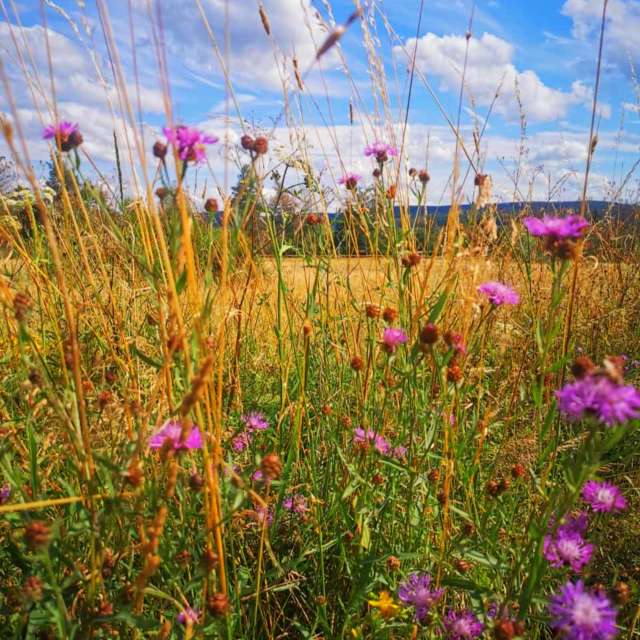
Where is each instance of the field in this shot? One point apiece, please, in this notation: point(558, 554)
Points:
point(232, 419)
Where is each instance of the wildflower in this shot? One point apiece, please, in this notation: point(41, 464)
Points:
point(400, 452)
point(518, 470)
point(5, 493)
point(241, 442)
point(188, 616)
point(32, 589)
point(393, 563)
point(596, 395)
point(429, 333)
point(189, 142)
point(218, 605)
point(372, 311)
point(66, 134)
point(603, 496)
point(247, 142)
point(255, 421)
point(160, 150)
point(567, 547)
point(389, 314)
point(260, 145)
point(362, 437)
point(211, 205)
point(385, 605)
point(257, 476)
point(357, 363)
point(498, 293)
point(456, 342)
point(392, 338)
point(555, 228)
point(381, 151)
point(424, 176)
point(271, 466)
point(578, 614)
point(621, 592)
point(416, 592)
point(37, 534)
point(296, 503)
point(196, 482)
point(170, 435)
point(350, 180)
point(460, 625)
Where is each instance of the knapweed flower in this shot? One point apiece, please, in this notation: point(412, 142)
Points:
point(350, 180)
point(381, 151)
point(498, 293)
point(462, 625)
point(257, 476)
point(365, 438)
point(240, 442)
point(255, 421)
point(416, 592)
point(65, 133)
point(603, 496)
point(392, 338)
point(188, 616)
point(571, 227)
point(578, 614)
point(599, 396)
point(5, 493)
point(169, 435)
point(189, 142)
point(567, 547)
point(296, 503)
point(385, 605)
point(400, 452)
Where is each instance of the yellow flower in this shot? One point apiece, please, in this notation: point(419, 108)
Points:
point(385, 604)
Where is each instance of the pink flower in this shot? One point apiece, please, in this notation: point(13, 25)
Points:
point(555, 228)
point(65, 133)
point(255, 421)
point(188, 616)
point(498, 293)
point(392, 338)
point(380, 443)
point(603, 496)
point(5, 493)
point(296, 503)
point(381, 151)
point(189, 142)
point(350, 180)
point(170, 435)
point(241, 442)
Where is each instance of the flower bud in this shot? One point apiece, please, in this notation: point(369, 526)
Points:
point(247, 142)
point(160, 150)
point(429, 333)
point(261, 145)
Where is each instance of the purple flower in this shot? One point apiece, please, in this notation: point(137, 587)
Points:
point(554, 228)
point(188, 616)
point(603, 496)
point(189, 142)
point(5, 493)
point(594, 395)
point(296, 503)
point(392, 338)
point(573, 523)
point(499, 293)
point(416, 592)
point(462, 625)
point(255, 421)
point(578, 614)
point(65, 133)
point(257, 476)
point(240, 442)
point(381, 151)
point(400, 452)
point(169, 435)
point(362, 437)
point(567, 547)
point(350, 180)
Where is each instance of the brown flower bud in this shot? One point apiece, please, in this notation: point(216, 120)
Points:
point(35, 378)
point(376, 173)
point(411, 260)
point(357, 363)
point(261, 145)
point(271, 466)
point(393, 564)
point(413, 172)
point(518, 470)
point(505, 483)
point(321, 601)
point(389, 314)
point(211, 205)
point(377, 479)
point(218, 605)
point(104, 398)
point(37, 534)
point(621, 593)
point(196, 482)
point(463, 565)
point(307, 328)
point(424, 176)
point(326, 410)
point(72, 141)
point(372, 311)
point(134, 474)
point(582, 366)
point(183, 557)
point(209, 558)
point(32, 589)
point(391, 191)
point(429, 333)
point(504, 630)
point(442, 497)
point(21, 305)
point(468, 529)
point(162, 193)
point(346, 421)
point(433, 475)
point(493, 487)
point(454, 373)
point(247, 142)
point(160, 150)
point(312, 219)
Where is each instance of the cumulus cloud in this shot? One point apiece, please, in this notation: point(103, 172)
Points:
point(490, 70)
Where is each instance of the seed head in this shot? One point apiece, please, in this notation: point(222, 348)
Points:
point(372, 311)
point(424, 176)
point(357, 363)
point(389, 314)
point(429, 333)
point(160, 150)
point(271, 466)
point(518, 470)
point(261, 145)
point(247, 143)
point(218, 605)
point(211, 205)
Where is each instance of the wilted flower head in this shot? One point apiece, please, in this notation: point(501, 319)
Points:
point(255, 421)
point(599, 396)
point(65, 133)
point(603, 496)
point(567, 547)
point(296, 503)
point(416, 592)
point(381, 151)
point(462, 625)
point(350, 180)
point(555, 228)
point(188, 616)
point(392, 338)
point(189, 142)
point(169, 435)
point(498, 293)
point(578, 614)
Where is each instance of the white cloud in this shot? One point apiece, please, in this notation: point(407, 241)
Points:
point(490, 67)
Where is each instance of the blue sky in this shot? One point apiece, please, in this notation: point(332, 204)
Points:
point(544, 52)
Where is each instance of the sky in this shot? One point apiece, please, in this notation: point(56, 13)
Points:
point(528, 86)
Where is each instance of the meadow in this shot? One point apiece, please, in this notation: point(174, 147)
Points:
point(228, 417)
